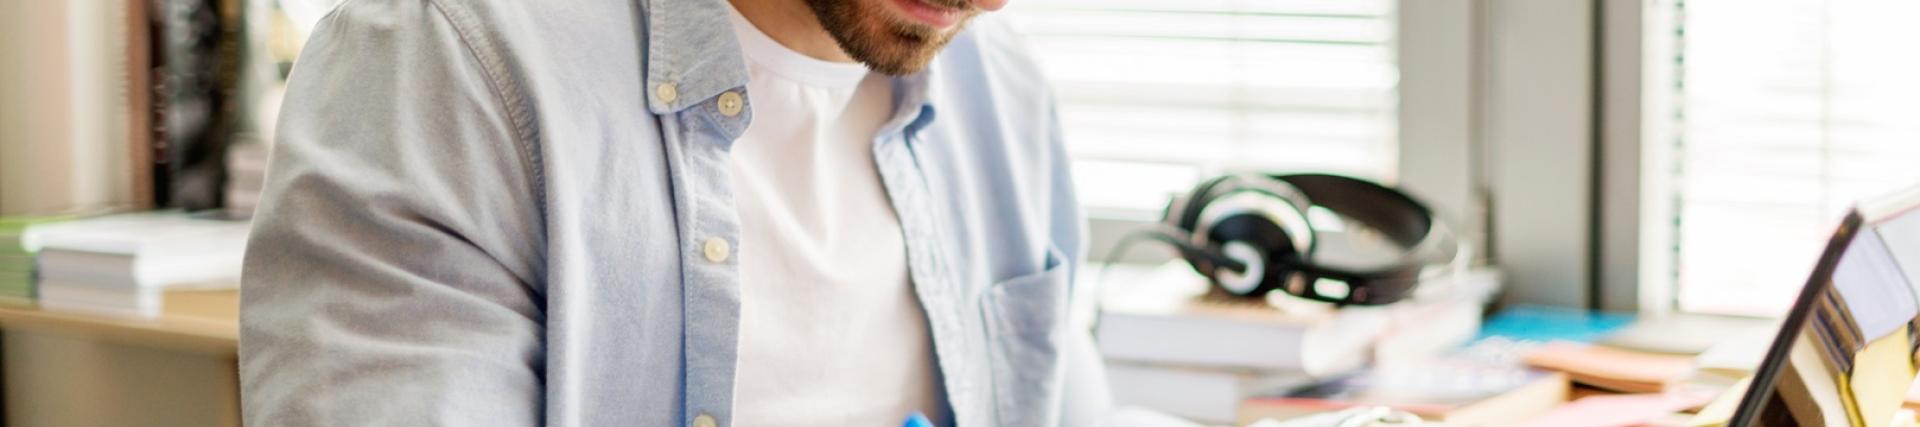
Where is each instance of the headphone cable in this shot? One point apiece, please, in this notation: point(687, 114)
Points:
point(1106, 263)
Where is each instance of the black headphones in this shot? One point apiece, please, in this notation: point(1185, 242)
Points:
point(1253, 234)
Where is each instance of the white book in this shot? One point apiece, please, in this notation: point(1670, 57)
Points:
point(1435, 324)
point(100, 300)
point(140, 250)
point(1162, 320)
point(1202, 334)
point(1204, 395)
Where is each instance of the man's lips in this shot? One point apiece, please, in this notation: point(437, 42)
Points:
point(932, 15)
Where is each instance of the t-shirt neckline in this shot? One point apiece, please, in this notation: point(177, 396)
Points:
point(769, 54)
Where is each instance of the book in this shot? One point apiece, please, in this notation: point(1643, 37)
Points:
point(158, 235)
point(169, 265)
point(1913, 397)
point(138, 89)
point(1881, 375)
point(1211, 332)
point(119, 264)
point(1683, 333)
point(1546, 324)
point(1810, 394)
point(1459, 392)
point(1614, 369)
point(1621, 410)
point(16, 262)
point(1436, 324)
point(56, 295)
point(1736, 356)
point(142, 303)
point(1199, 394)
point(1170, 318)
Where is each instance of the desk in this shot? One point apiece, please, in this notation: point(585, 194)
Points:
point(65, 369)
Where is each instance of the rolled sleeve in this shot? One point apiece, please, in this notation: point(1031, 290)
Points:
point(392, 274)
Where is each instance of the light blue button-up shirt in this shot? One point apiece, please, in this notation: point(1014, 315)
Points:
point(490, 212)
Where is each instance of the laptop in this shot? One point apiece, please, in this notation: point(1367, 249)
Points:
point(1847, 352)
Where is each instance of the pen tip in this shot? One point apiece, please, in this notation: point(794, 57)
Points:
point(918, 420)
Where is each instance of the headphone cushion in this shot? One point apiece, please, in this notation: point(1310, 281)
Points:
point(1281, 259)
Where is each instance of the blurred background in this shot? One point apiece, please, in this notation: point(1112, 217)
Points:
point(1650, 157)
point(1667, 155)
point(1696, 153)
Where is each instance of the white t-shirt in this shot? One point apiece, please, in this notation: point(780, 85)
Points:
point(831, 333)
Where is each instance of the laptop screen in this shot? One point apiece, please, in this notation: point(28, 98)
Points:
point(1846, 353)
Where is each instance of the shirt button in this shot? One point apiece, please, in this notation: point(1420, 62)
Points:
point(730, 103)
point(716, 249)
point(666, 92)
point(704, 420)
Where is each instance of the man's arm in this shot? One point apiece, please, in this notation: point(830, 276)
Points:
point(392, 275)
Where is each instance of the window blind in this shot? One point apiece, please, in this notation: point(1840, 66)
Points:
point(1788, 111)
point(1155, 94)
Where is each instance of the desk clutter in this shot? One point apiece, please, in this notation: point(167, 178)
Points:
point(117, 265)
point(1171, 347)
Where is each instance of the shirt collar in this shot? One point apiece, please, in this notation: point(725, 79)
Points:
point(691, 46)
point(912, 110)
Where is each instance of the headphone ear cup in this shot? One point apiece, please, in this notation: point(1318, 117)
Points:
point(1258, 242)
point(1183, 213)
point(1250, 282)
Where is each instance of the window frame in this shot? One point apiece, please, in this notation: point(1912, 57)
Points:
point(1437, 55)
point(1501, 125)
point(1636, 239)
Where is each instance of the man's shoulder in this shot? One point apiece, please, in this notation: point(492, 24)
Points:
point(492, 29)
point(537, 58)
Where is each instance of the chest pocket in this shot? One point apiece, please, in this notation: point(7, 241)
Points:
point(1026, 320)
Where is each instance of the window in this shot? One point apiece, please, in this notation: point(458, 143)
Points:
point(1156, 94)
point(1786, 111)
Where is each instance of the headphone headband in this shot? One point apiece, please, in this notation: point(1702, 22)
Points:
point(1269, 213)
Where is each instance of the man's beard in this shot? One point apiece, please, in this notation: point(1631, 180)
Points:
point(884, 43)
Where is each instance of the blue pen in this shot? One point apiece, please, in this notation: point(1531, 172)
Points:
point(918, 420)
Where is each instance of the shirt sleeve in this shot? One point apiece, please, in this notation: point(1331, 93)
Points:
point(392, 275)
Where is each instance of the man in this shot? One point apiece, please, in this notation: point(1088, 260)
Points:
point(665, 212)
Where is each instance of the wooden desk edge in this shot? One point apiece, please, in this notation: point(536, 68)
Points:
point(185, 333)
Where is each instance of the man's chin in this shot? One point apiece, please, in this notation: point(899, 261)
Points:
point(887, 44)
point(904, 49)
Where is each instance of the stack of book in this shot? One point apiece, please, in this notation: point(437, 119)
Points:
point(1171, 347)
point(16, 264)
point(119, 265)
